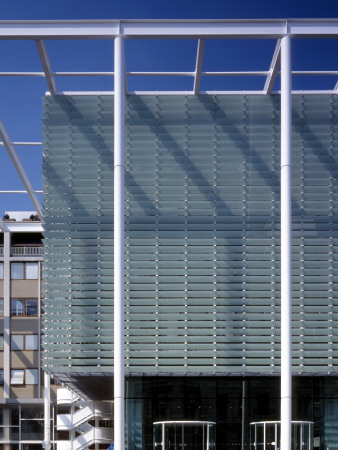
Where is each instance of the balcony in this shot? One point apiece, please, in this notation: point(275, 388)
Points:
point(27, 250)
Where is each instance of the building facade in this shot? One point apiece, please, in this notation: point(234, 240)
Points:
point(21, 403)
point(74, 422)
point(202, 259)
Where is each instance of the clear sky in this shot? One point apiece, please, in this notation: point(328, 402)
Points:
point(20, 97)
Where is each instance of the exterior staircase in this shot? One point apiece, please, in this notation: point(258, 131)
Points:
point(79, 422)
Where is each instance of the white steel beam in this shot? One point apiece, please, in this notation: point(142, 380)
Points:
point(198, 68)
point(24, 143)
point(19, 168)
point(166, 74)
point(274, 67)
point(261, 73)
point(160, 74)
point(271, 28)
point(46, 66)
point(285, 218)
point(135, 29)
point(119, 108)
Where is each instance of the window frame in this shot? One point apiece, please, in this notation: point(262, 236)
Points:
point(24, 308)
point(24, 346)
point(25, 376)
point(12, 376)
point(24, 274)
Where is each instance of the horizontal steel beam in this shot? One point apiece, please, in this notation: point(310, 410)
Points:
point(243, 92)
point(137, 29)
point(18, 192)
point(166, 74)
point(24, 143)
point(263, 73)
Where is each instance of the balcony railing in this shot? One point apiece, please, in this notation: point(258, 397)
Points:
point(31, 250)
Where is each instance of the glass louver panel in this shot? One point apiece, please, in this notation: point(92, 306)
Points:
point(202, 248)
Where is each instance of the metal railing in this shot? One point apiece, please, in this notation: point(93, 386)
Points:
point(32, 250)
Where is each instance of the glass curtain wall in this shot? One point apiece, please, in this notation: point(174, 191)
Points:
point(232, 403)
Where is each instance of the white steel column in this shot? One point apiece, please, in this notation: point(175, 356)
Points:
point(7, 314)
point(286, 300)
point(46, 397)
point(119, 100)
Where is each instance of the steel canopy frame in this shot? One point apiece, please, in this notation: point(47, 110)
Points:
point(190, 29)
point(282, 30)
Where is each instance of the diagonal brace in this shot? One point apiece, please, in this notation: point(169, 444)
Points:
point(19, 168)
point(41, 46)
point(198, 69)
point(273, 71)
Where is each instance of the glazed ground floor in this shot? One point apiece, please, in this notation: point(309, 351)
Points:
point(232, 403)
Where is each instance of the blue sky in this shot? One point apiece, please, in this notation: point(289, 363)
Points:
point(20, 105)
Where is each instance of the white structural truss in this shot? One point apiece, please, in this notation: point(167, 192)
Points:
point(281, 31)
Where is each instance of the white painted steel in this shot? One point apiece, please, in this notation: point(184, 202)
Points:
point(41, 46)
point(18, 192)
point(261, 73)
point(198, 67)
point(7, 313)
point(170, 28)
point(274, 67)
point(208, 92)
point(83, 74)
point(271, 28)
point(186, 422)
point(22, 74)
point(46, 397)
point(19, 168)
point(24, 143)
point(160, 74)
point(286, 105)
point(119, 106)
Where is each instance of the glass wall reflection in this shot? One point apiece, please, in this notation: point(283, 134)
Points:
point(232, 403)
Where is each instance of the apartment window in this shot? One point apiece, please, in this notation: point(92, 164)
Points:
point(1, 376)
point(31, 270)
point(31, 376)
point(24, 376)
point(1, 341)
point(24, 307)
point(24, 271)
point(31, 342)
point(1, 271)
point(24, 342)
point(1, 306)
point(17, 376)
